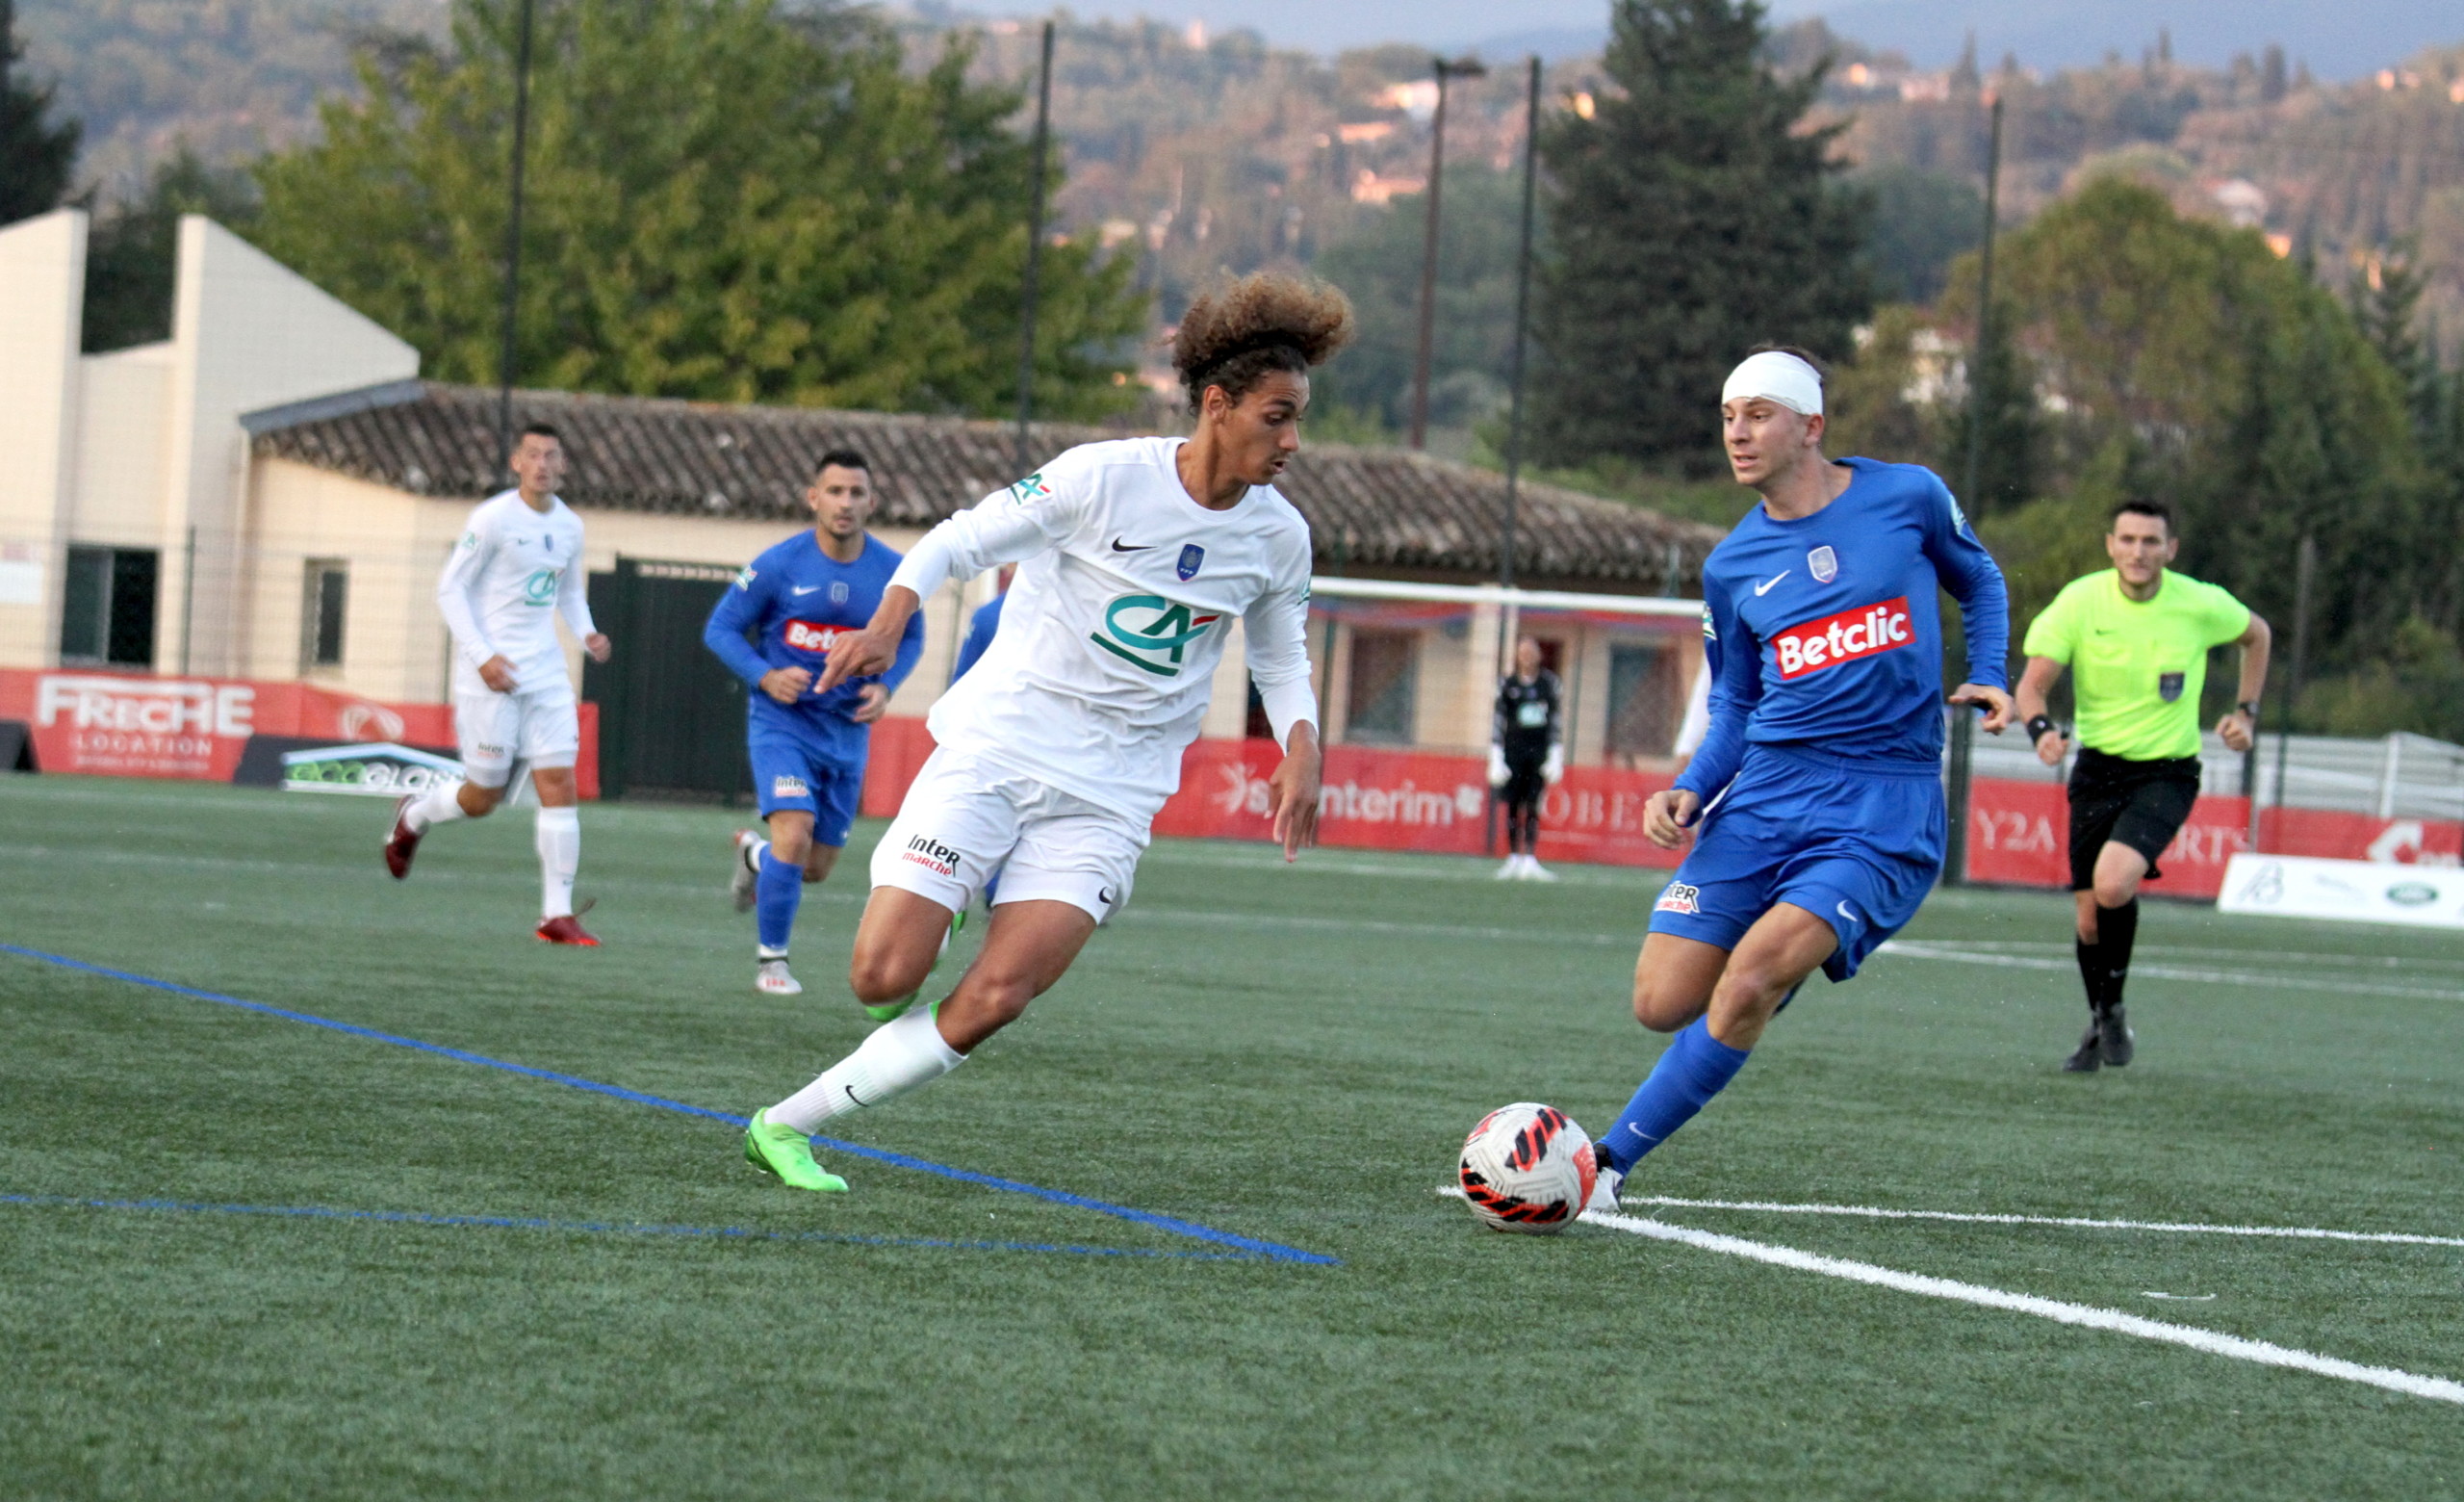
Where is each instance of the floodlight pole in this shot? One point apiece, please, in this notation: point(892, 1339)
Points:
point(1963, 729)
point(1467, 68)
point(1521, 322)
point(513, 240)
point(1034, 256)
point(2305, 570)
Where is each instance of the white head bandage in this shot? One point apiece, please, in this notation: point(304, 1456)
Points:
point(1778, 378)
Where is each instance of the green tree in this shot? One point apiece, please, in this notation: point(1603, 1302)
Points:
point(132, 253)
point(1379, 268)
point(2188, 363)
point(1921, 221)
point(724, 202)
point(1695, 214)
point(35, 158)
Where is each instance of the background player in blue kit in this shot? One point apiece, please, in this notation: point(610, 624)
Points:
point(1816, 796)
point(807, 749)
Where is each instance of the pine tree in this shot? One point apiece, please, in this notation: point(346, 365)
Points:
point(35, 158)
point(1692, 219)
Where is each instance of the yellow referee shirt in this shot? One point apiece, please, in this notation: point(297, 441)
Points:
point(2136, 667)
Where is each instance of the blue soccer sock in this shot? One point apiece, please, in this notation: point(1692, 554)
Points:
point(776, 889)
point(1694, 1068)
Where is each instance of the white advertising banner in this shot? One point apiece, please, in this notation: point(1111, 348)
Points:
point(2365, 891)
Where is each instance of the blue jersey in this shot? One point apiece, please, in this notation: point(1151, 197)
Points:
point(980, 631)
point(797, 600)
point(1823, 633)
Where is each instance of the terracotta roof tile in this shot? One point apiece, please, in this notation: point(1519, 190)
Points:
point(1368, 508)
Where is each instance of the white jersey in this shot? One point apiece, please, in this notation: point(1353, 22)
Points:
point(1126, 590)
point(514, 571)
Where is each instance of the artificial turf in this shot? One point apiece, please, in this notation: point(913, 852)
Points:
point(522, 1290)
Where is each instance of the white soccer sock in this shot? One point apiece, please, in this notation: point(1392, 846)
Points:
point(441, 804)
point(892, 1060)
point(558, 837)
point(752, 852)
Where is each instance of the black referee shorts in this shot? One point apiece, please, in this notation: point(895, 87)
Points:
point(2139, 804)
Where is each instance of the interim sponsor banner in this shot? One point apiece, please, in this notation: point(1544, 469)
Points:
point(2365, 891)
point(379, 770)
point(115, 724)
point(1372, 799)
point(2019, 834)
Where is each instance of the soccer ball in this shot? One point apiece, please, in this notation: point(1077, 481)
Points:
point(1526, 1167)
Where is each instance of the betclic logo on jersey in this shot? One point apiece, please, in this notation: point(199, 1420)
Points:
point(1844, 637)
point(1151, 632)
point(811, 636)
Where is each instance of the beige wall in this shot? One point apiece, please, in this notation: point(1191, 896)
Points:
point(123, 474)
point(247, 333)
point(42, 287)
point(395, 645)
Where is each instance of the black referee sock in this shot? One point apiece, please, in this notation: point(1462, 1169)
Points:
point(2091, 971)
point(2117, 931)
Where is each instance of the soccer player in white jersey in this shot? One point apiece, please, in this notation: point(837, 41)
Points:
point(1055, 754)
point(516, 569)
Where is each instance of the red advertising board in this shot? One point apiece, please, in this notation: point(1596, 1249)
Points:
point(1373, 799)
point(2019, 834)
point(130, 725)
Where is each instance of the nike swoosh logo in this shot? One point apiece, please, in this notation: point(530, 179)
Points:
point(803, 590)
point(1851, 917)
point(1765, 588)
point(1119, 546)
point(1104, 895)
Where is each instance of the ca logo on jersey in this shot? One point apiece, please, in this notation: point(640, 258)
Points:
point(1151, 631)
point(540, 587)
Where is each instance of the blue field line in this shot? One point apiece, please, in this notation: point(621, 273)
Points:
point(613, 1228)
point(1271, 1251)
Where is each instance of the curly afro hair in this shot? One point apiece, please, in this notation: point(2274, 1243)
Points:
point(1269, 321)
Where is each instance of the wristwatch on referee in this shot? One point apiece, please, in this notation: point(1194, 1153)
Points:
point(2040, 727)
point(2251, 709)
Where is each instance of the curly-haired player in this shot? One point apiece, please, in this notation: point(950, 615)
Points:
point(1054, 755)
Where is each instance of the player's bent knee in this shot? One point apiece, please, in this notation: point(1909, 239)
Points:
point(1663, 1010)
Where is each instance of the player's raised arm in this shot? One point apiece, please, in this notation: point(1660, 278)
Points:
point(1975, 580)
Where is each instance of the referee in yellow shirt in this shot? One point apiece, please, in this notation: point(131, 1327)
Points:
point(2136, 639)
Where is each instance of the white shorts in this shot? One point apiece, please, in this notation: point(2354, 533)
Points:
point(541, 727)
point(966, 820)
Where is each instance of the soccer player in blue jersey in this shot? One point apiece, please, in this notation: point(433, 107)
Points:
point(807, 749)
point(1816, 801)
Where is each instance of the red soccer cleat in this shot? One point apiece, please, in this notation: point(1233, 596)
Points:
point(567, 929)
point(402, 845)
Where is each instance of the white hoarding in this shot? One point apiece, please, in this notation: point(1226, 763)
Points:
point(2366, 892)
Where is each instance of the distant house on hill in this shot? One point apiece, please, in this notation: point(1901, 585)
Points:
point(269, 493)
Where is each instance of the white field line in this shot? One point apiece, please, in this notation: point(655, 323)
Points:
point(2076, 1222)
point(1919, 949)
point(2087, 1316)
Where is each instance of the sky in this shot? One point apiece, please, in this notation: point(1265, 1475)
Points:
point(2346, 39)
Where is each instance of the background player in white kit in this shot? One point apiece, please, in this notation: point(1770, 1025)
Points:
point(516, 569)
point(1056, 753)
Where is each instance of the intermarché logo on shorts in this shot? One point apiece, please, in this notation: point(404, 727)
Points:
point(1155, 633)
point(931, 854)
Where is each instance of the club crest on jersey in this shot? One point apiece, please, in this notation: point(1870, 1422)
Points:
point(1844, 637)
point(1823, 564)
point(1679, 898)
point(811, 636)
point(1151, 632)
point(1193, 557)
point(838, 591)
point(2170, 686)
point(1030, 488)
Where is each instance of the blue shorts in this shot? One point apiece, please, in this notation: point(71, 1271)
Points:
point(1858, 843)
point(789, 775)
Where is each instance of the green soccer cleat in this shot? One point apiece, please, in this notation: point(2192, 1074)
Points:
point(786, 1154)
point(892, 1011)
